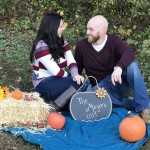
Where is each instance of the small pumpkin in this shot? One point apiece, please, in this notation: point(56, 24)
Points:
point(56, 120)
point(132, 128)
point(17, 94)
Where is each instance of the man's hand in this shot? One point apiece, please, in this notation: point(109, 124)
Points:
point(116, 75)
point(79, 79)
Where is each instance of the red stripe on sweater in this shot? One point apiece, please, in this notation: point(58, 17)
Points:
point(38, 67)
point(35, 68)
point(42, 66)
point(64, 64)
point(72, 65)
point(60, 73)
point(42, 53)
point(67, 47)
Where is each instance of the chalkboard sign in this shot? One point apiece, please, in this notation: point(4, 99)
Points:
point(89, 106)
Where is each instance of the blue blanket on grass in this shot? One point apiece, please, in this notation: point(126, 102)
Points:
point(78, 135)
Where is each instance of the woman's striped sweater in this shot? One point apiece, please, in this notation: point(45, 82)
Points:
point(45, 66)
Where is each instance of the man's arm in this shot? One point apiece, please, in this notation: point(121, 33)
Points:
point(124, 52)
point(126, 55)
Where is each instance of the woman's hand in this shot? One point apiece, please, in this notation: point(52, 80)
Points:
point(79, 79)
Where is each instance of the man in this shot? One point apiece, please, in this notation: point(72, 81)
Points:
point(111, 62)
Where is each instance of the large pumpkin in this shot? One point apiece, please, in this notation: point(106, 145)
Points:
point(56, 120)
point(132, 128)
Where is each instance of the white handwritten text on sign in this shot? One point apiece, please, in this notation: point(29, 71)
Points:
point(86, 106)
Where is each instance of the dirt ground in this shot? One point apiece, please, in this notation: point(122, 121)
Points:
point(9, 142)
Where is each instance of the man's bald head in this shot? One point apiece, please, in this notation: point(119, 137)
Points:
point(97, 29)
point(98, 21)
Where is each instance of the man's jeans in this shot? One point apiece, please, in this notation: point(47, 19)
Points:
point(131, 80)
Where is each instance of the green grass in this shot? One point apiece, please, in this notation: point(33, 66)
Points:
point(14, 59)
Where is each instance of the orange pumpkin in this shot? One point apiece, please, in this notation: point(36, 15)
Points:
point(56, 120)
point(132, 128)
point(17, 95)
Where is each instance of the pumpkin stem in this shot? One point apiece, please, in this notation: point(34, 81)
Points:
point(130, 114)
point(12, 87)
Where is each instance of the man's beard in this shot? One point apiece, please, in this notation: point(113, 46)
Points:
point(92, 39)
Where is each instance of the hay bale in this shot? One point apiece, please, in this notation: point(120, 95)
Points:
point(29, 111)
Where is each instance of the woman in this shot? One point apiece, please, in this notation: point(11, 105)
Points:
point(50, 54)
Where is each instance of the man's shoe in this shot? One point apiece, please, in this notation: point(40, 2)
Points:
point(145, 115)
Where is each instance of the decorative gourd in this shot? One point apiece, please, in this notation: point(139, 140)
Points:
point(132, 128)
point(56, 120)
point(17, 95)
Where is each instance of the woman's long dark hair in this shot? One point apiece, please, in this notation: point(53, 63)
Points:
point(48, 33)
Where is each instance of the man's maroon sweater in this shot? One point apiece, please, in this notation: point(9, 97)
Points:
point(101, 64)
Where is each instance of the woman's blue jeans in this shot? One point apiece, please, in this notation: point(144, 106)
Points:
point(132, 80)
point(51, 87)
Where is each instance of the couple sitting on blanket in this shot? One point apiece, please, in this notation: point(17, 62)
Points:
point(105, 57)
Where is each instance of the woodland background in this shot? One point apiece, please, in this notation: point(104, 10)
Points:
point(19, 22)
